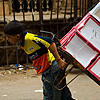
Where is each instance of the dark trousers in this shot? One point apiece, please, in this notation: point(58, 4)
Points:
point(49, 91)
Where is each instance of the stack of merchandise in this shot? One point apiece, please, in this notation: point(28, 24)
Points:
point(82, 42)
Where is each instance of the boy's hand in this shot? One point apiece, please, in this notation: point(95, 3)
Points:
point(61, 63)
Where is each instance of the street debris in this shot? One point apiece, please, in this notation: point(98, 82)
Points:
point(16, 69)
point(5, 95)
point(38, 90)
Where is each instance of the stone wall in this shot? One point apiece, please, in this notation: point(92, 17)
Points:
point(6, 8)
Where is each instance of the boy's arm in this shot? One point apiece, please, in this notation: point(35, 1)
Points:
point(54, 51)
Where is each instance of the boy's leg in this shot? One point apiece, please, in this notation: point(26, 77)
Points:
point(65, 94)
point(49, 91)
point(56, 94)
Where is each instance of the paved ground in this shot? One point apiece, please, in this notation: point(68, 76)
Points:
point(26, 85)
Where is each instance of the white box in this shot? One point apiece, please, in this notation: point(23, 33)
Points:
point(95, 12)
point(80, 49)
point(94, 69)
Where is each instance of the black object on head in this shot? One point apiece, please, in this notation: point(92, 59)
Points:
point(13, 28)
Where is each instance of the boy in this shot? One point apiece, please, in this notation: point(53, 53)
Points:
point(46, 60)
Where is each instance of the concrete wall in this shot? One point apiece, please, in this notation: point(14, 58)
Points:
point(6, 9)
point(8, 5)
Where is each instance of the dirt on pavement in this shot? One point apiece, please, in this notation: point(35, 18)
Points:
point(27, 85)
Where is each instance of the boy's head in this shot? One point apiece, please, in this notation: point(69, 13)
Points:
point(13, 31)
point(13, 28)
